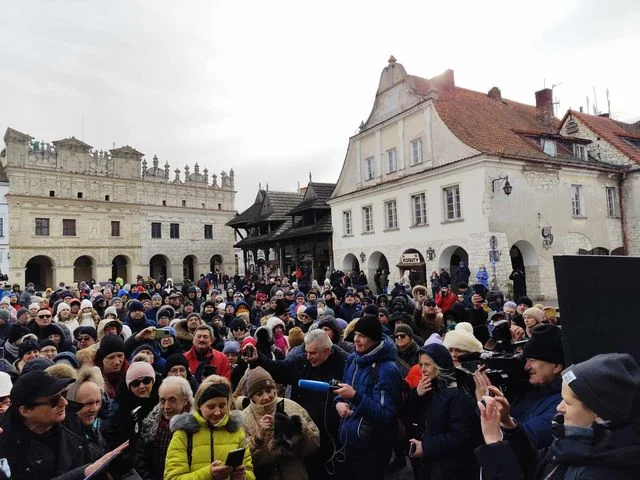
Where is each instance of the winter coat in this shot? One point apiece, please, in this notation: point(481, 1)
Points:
point(348, 312)
point(445, 303)
point(582, 454)
point(375, 404)
point(535, 412)
point(482, 277)
point(212, 357)
point(451, 432)
point(222, 439)
point(271, 459)
point(30, 459)
point(462, 274)
point(407, 358)
point(137, 327)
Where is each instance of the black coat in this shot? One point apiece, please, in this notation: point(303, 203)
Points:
point(586, 455)
point(451, 432)
point(29, 459)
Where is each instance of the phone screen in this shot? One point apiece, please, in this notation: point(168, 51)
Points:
point(235, 457)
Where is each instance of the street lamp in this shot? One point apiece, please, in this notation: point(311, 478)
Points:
point(507, 188)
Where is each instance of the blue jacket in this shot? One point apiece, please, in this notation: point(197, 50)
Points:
point(482, 277)
point(139, 326)
point(535, 412)
point(375, 405)
point(348, 312)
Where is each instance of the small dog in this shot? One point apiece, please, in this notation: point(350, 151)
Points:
point(287, 433)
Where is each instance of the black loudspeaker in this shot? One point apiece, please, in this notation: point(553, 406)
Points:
point(599, 310)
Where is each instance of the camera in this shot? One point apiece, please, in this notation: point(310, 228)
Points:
point(334, 384)
point(248, 351)
point(504, 365)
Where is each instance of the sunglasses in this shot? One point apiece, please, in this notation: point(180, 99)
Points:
point(44, 316)
point(238, 329)
point(144, 380)
point(401, 335)
point(53, 400)
point(219, 301)
point(84, 339)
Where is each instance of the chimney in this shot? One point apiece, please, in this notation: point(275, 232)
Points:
point(495, 93)
point(544, 107)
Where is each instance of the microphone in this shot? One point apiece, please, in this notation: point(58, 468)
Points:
point(317, 386)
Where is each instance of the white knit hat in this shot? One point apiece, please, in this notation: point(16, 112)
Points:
point(463, 340)
point(86, 303)
point(62, 306)
point(466, 326)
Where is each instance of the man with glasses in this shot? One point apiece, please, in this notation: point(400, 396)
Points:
point(36, 441)
point(85, 337)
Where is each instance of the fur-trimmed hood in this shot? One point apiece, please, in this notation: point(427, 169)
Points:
point(192, 422)
point(419, 289)
point(182, 332)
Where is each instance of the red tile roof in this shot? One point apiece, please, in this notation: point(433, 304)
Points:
point(489, 125)
point(611, 131)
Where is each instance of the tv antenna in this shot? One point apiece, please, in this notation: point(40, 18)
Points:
point(555, 101)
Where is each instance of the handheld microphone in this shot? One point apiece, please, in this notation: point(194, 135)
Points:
point(317, 386)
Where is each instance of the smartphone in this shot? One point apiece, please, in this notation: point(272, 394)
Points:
point(480, 290)
point(235, 458)
point(160, 333)
point(412, 449)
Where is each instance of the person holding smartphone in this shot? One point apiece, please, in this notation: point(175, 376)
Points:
point(207, 442)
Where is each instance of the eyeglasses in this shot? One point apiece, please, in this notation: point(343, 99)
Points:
point(303, 315)
point(401, 335)
point(44, 316)
point(84, 339)
point(144, 380)
point(53, 400)
point(218, 301)
point(238, 329)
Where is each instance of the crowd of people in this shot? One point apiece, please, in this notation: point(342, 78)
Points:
point(261, 378)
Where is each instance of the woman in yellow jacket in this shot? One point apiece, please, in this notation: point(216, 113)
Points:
point(202, 439)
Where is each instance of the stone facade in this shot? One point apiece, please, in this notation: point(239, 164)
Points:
point(99, 212)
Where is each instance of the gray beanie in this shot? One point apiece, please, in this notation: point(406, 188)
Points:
point(596, 381)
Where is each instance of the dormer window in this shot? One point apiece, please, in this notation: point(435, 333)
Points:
point(579, 151)
point(549, 147)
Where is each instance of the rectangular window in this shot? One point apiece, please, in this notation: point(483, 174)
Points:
point(2, 227)
point(549, 147)
point(391, 214)
point(174, 230)
point(42, 226)
point(612, 201)
point(369, 169)
point(69, 227)
point(577, 202)
point(79, 194)
point(392, 161)
point(219, 206)
point(579, 151)
point(416, 151)
point(184, 203)
point(346, 222)
point(115, 228)
point(419, 206)
point(367, 218)
point(208, 232)
point(52, 193)
point(452, 202)
point(156, 230)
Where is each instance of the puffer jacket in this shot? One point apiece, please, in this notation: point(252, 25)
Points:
point(375, 404)
point(536, 411)
point(228, 436)
point(582, 454)
point(272, 459)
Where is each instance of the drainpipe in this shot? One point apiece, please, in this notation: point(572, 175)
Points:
point(623, 218)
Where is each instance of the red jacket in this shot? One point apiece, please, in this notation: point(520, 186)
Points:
point(213, 358)
point(445, 303)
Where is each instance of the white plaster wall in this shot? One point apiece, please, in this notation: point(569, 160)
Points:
point(4, 239)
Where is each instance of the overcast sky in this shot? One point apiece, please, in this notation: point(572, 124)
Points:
point(275, 89)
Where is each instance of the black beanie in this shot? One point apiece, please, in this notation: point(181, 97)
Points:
point(16, 332)
point(176, 359)
point(597, 382)
point(369, 326)
point(545, 344)
point(371, 309)
point(110, 344)
point(26, 347)
point(526, 300)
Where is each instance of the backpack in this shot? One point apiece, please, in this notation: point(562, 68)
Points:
point(403, 397)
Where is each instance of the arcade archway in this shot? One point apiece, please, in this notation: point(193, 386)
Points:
point(159, 266)
point(39, 271)
point(120, 267)
point(83, 268)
